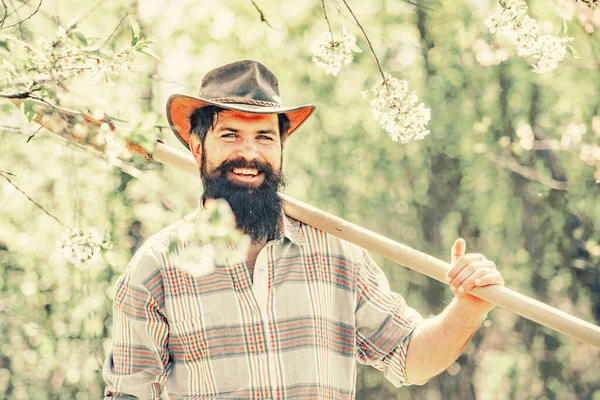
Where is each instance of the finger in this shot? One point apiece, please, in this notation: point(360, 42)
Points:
point(492, 278)
point(458, 250)
point(468, 270)
point(469, 283)
point(461, 263)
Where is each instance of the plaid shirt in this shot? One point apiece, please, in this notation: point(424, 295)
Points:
point(315, 304)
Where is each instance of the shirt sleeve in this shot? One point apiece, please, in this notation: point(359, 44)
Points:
point(384, 322)
point(136, 367)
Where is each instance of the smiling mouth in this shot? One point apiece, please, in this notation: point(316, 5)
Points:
point(247, 172)
point(246, 175)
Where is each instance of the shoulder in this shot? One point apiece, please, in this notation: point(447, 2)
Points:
point(318, 240)
point(149, 259)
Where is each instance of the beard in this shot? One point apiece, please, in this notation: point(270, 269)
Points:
point(257, 209)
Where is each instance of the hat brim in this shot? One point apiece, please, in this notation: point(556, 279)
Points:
point(180, 108)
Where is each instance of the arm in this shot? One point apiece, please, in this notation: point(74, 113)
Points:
point(438, 341)
point(136, 366)
point(384, 322)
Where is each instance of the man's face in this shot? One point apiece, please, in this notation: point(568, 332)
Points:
point(240, 161)
point(253, 138)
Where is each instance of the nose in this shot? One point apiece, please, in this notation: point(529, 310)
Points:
point(248, 150)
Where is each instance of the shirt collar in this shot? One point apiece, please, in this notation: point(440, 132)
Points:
point(290, 229)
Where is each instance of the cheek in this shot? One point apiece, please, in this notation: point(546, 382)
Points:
point(214, 155)
point(274, 157)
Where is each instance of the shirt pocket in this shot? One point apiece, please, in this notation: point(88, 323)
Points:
point(213, 355)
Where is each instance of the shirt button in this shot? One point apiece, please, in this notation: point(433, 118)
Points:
point(263, 356)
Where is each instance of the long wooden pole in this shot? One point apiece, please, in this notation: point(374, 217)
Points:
point(56, 119)
point(501, 296)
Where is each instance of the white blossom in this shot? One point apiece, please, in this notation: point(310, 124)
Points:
point(61, 34)
point(207, 240)
point(82, 246)
point(330, 53)
point(196, 260)
point(511, 20)
point(552, 51)
point(527, 37)
point(397, 110)
point(503, 21)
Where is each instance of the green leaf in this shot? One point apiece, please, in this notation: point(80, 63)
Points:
point(27, 108)
point(135, 30)
point(143, 43)
point(72, 25)
point(150, 52)
point(4, 43)
point(574, 52)
point(563, 29)
point(79, 38)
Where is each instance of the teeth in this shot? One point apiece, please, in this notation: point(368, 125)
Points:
point(245, 171)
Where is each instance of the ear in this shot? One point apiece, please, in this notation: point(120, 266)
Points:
point(196, 148)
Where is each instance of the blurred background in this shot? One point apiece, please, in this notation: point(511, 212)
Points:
point(512, 164)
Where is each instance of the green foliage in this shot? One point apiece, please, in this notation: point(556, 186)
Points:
point(27, 107)
point(487, 114)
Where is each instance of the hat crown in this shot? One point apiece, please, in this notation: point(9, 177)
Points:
point(245, 81)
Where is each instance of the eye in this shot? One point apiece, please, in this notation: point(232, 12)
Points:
point(229, 135)
point(264, 137)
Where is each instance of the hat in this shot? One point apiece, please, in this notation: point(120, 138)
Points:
point(246, 86)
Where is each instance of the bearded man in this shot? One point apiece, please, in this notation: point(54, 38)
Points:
point(291, 320)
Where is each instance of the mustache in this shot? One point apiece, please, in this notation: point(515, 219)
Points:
point(270, 174)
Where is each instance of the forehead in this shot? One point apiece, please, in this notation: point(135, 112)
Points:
point(229, 117)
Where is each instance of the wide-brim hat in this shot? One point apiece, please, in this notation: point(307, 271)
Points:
point(246, 86)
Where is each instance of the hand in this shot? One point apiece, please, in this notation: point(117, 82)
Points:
point(469, 271)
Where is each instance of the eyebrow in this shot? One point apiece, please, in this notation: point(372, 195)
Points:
point(228, 128)
point(234, 130)
point(266, 131)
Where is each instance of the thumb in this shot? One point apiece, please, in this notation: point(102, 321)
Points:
point(458, 250)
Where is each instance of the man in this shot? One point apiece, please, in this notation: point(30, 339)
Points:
point(290, 321)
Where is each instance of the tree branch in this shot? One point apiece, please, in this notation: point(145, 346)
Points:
point(7, 173)
point(4, 175)
point(90, 11)
point(327, 19)
point(5, 14)
point(16, 9)
point(20, 95)
point(525, 172)
point(262, 15)
point(23, 20)
point(39, 78)
point(114, 31)
point(5, 307)
point(366, 37)
point(34, 133)
point(10, 128)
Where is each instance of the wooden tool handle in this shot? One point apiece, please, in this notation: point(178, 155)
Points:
point(501, 296)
